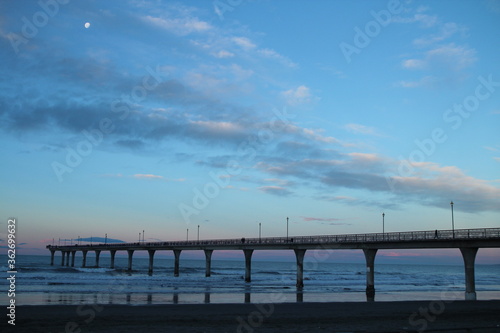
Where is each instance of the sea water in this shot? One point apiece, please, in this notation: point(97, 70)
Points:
point(37, 282)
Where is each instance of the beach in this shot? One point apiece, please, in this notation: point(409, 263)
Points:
point(411, 316)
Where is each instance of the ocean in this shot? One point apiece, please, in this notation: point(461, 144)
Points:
point(38, 283)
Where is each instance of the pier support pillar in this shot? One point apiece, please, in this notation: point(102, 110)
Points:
point(469, 255)
point(68, 253)
point(208, 264)
point(112, 252)
point(370, 273)
point(84, 260)
point(151, 256)
point(177, 255)
point(299, 254)
point(52, 252)
point(97, 254)
point(248, 264)
point(63, 254)
point(130, 254)
point(73, 253)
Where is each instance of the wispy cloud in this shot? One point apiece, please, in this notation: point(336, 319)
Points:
point(275, 190)
point(298, 96)
point(361, 129)
point(179, 26)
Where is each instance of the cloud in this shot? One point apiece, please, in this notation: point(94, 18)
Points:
point(298, 96)
point(424, 20)
point(429, 184)
point(244, 42)
point(179, 26)
point(275, 190)
point(271, 54)
point(426, 81)
point(452, 57)
point(446, 31)
point(148, 176)
point(361, 129)
point(320, 219)
point(223, 54)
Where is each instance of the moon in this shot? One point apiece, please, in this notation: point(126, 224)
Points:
point(87, 25)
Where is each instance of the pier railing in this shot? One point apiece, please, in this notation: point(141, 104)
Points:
point(408, 236)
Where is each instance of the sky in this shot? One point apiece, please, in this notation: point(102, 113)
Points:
point(173, 117)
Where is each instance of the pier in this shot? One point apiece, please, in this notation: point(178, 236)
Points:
point(469, 241)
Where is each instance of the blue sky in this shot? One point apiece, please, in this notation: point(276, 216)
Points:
point(162, 116)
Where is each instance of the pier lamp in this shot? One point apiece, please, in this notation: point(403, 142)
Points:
point(383, 224)
point(452, 220)
point(260, 231)
point(139, 237)
point(287, 229)
point(187, 234)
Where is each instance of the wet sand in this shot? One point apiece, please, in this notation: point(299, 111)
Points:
point(415, 316)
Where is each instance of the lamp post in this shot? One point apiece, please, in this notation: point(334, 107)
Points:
point(383, 224)
point(105, 238)
point(139, 237)
point(187, 234)
point(452, 220)
point(143, 236)
point(198, 232)
point(287, 229)
point(260, 231)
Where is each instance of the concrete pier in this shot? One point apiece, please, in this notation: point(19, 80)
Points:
point(151, 256)
point(208, 263)
point(467, 240)
point(84, 258)
point(299, 255)
point(370, 273)
point(97, 255)
point(112, 253)
point(469, 255)
point(177, 255)
point(130, 254)
point(248, 265)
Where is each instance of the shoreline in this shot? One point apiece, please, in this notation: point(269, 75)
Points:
point(406, 316)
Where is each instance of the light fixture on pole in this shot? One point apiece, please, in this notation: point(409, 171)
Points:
point(452, 220)
point(139, 237)
point(383, 223)
point(187, 234)
point(260, 231)
point(287, 229)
